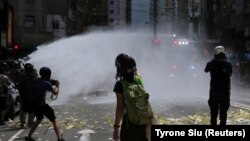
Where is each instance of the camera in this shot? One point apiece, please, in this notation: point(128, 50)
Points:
point(54, 82)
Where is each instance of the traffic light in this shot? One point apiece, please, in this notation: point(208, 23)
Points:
point(16, 47)
point(156, 41)
point(16, 50)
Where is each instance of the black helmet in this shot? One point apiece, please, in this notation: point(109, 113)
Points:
point(45, 72)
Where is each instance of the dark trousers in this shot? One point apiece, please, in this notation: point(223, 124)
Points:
point(219, 103)
point(132, 132)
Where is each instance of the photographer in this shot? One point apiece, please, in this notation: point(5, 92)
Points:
point(220, 85)
point(41, 108)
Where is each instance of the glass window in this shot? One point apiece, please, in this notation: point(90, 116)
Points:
point(111, 3)
point(111, 11)
point(55, 25)
point(111, 20)
point(29, 21)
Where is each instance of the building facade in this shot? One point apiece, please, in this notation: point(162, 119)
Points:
point(141, 13)
point(118, 15)
point(172, 16)
point(6, 26)
point(92, 14)
point(182, 17)
point(194, 13)
point(6, 30)
point(40, 21)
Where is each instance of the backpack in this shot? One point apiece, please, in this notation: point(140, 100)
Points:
point(136, 99)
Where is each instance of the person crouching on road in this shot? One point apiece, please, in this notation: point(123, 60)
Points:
point(41, 108)
point(219, 96)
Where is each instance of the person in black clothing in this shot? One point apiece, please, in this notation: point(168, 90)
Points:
point(28, 76)
point(41, 108)
point(126, 70)
point(219, 96)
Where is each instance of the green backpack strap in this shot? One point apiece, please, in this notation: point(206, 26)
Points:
point(138, 80)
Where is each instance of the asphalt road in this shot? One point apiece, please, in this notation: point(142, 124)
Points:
point(91, 118)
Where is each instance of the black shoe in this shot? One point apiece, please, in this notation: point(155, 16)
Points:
point(61, 139)
point(29, 138)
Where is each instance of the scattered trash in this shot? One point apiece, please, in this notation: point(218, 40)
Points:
point(234, 117)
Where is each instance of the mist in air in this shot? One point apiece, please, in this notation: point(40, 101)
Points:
point(86, 63)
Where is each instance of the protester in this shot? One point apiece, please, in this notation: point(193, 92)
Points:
point(219, 96)
point(126, 75)
point(28, 78)
point(41, 108)
point(14, 73)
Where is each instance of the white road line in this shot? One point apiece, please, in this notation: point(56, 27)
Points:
point(15, 136)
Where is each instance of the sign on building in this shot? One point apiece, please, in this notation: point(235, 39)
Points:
point(3, 39)
point(10, 26)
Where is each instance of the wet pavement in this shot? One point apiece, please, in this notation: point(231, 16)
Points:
point(91, 118)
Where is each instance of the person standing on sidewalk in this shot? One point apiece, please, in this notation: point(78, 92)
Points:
point(219, 95)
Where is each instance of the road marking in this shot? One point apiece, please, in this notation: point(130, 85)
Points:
point(85, 134)
point(15, 136)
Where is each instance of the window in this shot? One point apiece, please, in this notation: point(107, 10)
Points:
point(29, 21)
point(55, 25)
point(111, 3)
point(111, 11)
point(111, 20)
